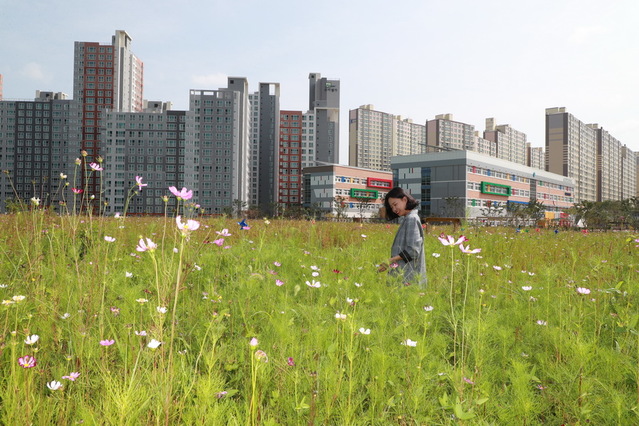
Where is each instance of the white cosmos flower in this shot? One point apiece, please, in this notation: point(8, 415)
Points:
point(409, 342)
point(365, 330)
point(154, 344)
point(526, 288)
point(54, 385)
point(30, 340)
point(340, 316)
point(314, 284)
point(162, 309)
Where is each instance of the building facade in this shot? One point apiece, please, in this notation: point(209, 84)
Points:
point(601, 167)
point(468, 184)
point(105, 76)
point(324, 103)
point(150, 144)
point(535, 157)
point(510, 144)
point(290, 156)
point(345, 190)
point(34, 149)
point(375, 136)
point(444, 132)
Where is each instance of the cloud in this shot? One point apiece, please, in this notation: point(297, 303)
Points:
point(34, 71)
point(210, 81)
point(581, 35)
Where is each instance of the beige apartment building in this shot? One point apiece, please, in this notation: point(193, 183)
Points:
point(375, 137)
point(601, 167)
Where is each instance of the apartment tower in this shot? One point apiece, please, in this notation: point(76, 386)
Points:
point(324, 103)
point(375, 137)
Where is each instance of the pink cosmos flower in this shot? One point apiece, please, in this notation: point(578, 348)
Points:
point(147, 245)
point(467, 249)
point(27, 361)
point(219, 242)
point(253, 342)
point(223, 233)
point(583, 290)
point(96, 167)
point(184, 194)
point(190, 225)
point(467, 380)
point(290, 361)
point(279, 283)
point(449, 240)
point(72, 376)
point(138, 182)
point(107, 342)
point(77, 190)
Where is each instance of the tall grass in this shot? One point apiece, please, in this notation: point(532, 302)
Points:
point(537, 328)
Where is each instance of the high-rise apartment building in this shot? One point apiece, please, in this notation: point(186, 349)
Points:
point(484, 146)
point(375, 137)
point(151, 144)
point(535, 156)
point(1, 87)
point(510, 144)
point(444, 132)
point(34, 150)
point(629, 187)
point(601, 167)
point(290, 158)
point(608, 172)
point(324, 98)
point(105, 76)
point(221, 146)
point(265, 122)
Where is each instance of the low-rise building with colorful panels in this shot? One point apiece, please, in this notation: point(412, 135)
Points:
point(352, 191)
point(468, 184)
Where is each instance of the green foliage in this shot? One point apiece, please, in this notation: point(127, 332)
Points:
point(540, 328)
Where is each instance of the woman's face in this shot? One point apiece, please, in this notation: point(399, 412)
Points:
point(398, 205)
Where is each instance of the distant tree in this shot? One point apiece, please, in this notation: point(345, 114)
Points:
point(535, 210)
point(362, 205)
point(516, 212)
point(340, 206)
point(238, 206)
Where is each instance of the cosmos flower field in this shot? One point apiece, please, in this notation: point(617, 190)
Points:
point(203, 321)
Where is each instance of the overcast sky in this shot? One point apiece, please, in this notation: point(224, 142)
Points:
point(507, 59)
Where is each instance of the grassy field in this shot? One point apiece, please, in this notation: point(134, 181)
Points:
point(289, 323)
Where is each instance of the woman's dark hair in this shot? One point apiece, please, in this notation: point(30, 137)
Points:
point(398, 192)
